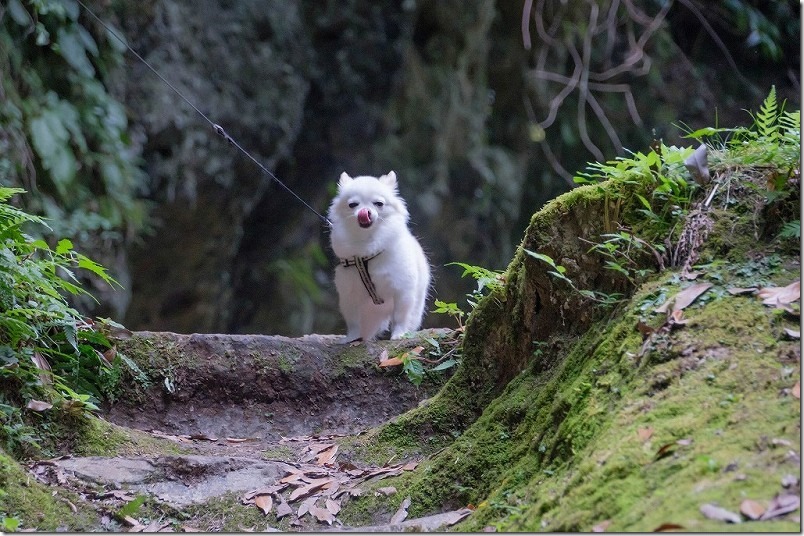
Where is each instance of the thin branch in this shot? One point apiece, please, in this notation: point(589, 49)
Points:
point(584, 85)
point(715, 37)
point(526, 24)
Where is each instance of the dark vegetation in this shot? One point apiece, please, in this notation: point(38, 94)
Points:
point(481, 129)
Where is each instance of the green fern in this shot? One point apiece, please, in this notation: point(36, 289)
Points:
point(791, 229)
point(768, 117)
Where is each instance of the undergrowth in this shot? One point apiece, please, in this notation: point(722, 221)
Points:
point(669, 225)
point(52, 359)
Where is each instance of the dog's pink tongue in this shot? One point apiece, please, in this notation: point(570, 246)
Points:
point(364, 217)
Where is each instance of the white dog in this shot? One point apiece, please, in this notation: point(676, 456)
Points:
point(383, 276)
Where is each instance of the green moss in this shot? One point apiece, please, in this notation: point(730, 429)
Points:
point(559, 448)
point(227, 513)
point(97, 437)
point(37, 506)
point(594, 466)
point(279, 452)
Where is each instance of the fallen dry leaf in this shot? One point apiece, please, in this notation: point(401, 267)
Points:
point(684, 298)
point(322, 514)
point(644, 433)
point(110, 354)
point(293, 476)
point(797, 389)
point(719, 514)
point(306, 491)
point(781, 505)
point(410, 466)
point(402, 513)
point(664, 451)
point(155, 526)
point(305, 506)
point(781, 296)
point(388, 491)
point(45, 376)
point(792, 333)
point(264, 503)
point(130, 521)
point(736, 291)
point(665, 527)
point(391, 362)
point(602, 526)
point(676, 318)
point(684, 442)
point(333, 506)
point(326, 456)
point(751, 509)
point(283, 508)
point(316, 448)
point(38, 405)
point(644, 329)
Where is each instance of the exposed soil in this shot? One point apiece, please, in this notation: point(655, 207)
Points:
point(266, 387)
point(245, 412)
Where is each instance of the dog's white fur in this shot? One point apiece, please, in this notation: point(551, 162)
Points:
point(400, 272)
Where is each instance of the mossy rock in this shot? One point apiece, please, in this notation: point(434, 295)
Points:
point(618, 418)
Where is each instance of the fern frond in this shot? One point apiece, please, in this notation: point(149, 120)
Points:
point(768, 116)
point(790, 121)
point(791, 229)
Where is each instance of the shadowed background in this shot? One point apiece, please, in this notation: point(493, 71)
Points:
point(484, 109)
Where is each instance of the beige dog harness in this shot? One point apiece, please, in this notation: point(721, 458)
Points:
point(361, 263)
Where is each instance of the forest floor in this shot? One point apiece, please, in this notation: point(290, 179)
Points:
point(209, 457)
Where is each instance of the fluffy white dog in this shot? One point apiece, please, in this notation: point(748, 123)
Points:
point(383, 276)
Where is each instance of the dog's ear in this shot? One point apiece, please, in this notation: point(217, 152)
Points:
point(389, 180)
point(345, 179)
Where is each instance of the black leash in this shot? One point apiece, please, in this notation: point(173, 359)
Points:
point(216, 127)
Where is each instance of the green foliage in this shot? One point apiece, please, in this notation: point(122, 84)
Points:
point(791, 229)
point(487, 280)
point(9, 524)
point(413, 368)
point(774, 138)
point(558, 271)
point(452, 309)
point(47, 349)
point(66, 136)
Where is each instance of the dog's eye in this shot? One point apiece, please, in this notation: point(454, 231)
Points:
point(378, 204)
point(352, 204)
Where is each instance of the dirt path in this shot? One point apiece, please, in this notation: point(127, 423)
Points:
point(256, 417)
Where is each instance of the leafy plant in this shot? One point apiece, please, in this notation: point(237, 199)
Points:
point(558, 271)
point(487, 281)
point(63, 131)
point(452, 309)
point(773, 138)
point(791, 229)
point(9, 524)
point(47, 349)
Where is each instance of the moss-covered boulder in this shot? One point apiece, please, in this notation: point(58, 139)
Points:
point(567, 416)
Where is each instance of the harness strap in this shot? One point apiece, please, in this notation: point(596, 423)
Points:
point(361, 263)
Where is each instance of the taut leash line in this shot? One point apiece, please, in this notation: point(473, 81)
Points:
point(216, 127)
